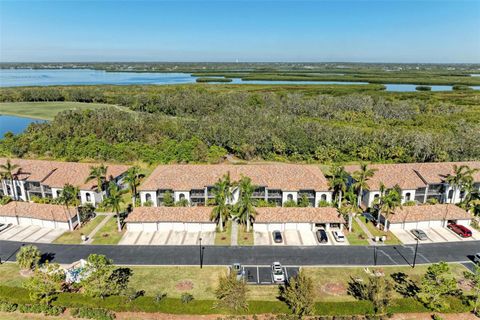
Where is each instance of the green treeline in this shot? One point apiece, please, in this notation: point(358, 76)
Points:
point(198, 124)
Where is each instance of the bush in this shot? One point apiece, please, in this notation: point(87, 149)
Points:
point(8, 306)
point(436, 317)
point(92, 313)
point(28, 257)
point(41, 308)
point(186, 298)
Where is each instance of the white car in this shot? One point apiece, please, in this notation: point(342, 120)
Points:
point(278, 274)
point(339, 236)
point(476, 259)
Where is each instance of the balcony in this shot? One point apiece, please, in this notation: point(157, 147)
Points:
point(308, 193)
point(199, 193)
point(259, 193)
point(274, 193)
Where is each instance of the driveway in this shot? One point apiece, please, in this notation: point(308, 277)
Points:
point(166, 238)
point(435, 235)
point(261, 238)
point(30, 234)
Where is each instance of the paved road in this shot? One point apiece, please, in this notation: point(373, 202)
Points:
point(256, 255)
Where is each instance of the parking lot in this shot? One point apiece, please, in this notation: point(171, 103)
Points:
point(294, 238)
point(167, 238)
point(434, 235)
point(262, 275)
point(30, 234)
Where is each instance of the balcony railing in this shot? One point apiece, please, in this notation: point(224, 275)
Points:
point(274, 193)
point(197, 193)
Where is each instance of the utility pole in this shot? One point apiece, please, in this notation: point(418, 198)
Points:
point(415, 256)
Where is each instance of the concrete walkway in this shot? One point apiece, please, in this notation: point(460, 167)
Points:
point(234, 235)
point(97, 228)
point(365, 229)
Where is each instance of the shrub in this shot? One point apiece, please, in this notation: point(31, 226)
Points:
point(8, 306)
point(186, 297)
point(160, 296)
point(436, 317)
point(41, 308)
point(92, 313)
point(28, 257)
point(324, 203)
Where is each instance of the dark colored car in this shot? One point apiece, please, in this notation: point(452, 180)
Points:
point(277, 236)
point(462, 231)
point(419, 234)
point(322, 236)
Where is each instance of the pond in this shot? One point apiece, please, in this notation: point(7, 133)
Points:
point(14, 124)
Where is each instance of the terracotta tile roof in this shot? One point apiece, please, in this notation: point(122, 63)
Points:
point(429, 213)
point(413, 175)
point(435, 172)
point(312, 215)
point(288, 177)
point(390, 175)
point(56, 174)
point(37, 211)
point(170, 214)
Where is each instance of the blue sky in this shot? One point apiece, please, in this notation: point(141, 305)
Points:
point(366, 31)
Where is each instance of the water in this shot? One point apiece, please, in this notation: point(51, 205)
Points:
point(14, 124)
point(46, 77)
point(412, 87)
point(29, 77)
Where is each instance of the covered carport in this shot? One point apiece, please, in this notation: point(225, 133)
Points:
point(297, 225)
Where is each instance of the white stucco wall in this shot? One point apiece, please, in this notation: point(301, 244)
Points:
point(171, 226)
point(24, 221)
point(404, 195)
point(177, 194)
point(285, 195)
point(153, 195)
point(318, 197)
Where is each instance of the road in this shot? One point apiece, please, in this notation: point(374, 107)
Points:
point(256, 255)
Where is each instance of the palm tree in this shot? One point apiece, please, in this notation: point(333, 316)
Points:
point(244, 209)
point(132, 177)
point(349, 207)
point(7, 173)
point(462, 175)
point(222, 191)
point(388, 203)
point(69, 196)
point(98, 173)
point(361, 178)
point(114, 200)
point(337, 181)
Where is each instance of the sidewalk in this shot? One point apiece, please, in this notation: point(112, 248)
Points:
point(365, 229)
point(97, 228)
point(234, 235)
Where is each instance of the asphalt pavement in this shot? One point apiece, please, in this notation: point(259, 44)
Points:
point(256, 255)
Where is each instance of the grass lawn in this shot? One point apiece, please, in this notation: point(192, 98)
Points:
point(73, 237)
point(10, 275)
point(174, 281)
point(357, 236)
point(224, 238)
point(391, 239)
point(44, 110)
point(109, 233)
point(331, 284)
point(245, 238)
point(30, 316)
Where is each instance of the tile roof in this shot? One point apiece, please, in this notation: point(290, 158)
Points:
point(170, 214)
point(36, 210)
point(56, 174)
point(429, 213)
point(288, 177)
point(412, 175)
point(312, 215)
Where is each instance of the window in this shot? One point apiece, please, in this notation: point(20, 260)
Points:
point(88, 197)
point(462, 194)
point(148, 197)
point(181, 196)
point(9, 190)
point(19, 191)
point(408, 196)
point(323, 197)
point(376, 196)
point(450, 194)
point(59, 193)
point(290, 197)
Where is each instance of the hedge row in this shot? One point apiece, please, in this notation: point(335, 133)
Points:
point(175, 306)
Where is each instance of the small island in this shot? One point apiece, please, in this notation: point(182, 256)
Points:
point(210, 79)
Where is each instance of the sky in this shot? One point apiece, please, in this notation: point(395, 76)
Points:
point(227, 30)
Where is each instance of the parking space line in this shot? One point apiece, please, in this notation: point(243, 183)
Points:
point(437, 233)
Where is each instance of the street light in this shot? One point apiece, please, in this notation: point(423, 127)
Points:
point(415, 256)
point(201, 252)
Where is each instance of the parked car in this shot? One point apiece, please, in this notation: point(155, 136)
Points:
point(419, 234)
point(278, 274)
point(277, 236)
point(239, 270)
point(322, 236)
point(462, 231)
point(339, 236)
point(476, 258)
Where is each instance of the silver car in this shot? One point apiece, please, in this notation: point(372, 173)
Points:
point(419, 234)
point(278, 274)
point(238, 270)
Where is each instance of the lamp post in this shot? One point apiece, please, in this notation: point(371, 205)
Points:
point(201, 252)
point(415, 256)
